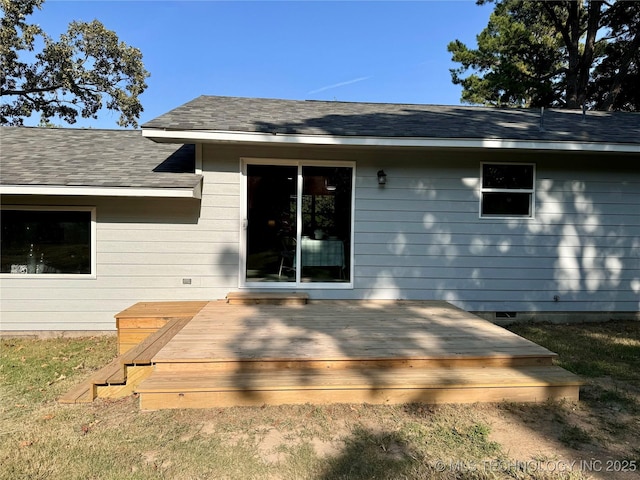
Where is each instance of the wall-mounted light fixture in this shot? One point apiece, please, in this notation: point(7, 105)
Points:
point(382, 177)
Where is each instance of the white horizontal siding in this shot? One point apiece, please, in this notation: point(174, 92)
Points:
point(487, 227)
point(172, 236)
point(51, 320)
point(485, 241)
point(419, 237)
point(463, 253)
point(446, 273)
point(145, 248)
point(82, 289)
point(423, 214)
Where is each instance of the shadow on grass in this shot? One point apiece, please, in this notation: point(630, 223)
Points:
point(591, 349)
point(424, 443)
point(607, 356)
point(370, 455)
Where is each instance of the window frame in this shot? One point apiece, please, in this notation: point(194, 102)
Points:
point(92, 241)
point(531, 191)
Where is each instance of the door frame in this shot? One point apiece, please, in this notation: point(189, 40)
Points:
point(299, 163)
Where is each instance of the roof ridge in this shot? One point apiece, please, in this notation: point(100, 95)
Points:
point(506, 108)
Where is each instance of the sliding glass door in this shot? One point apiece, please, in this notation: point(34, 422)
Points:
point(298, 222)
point(271, 223)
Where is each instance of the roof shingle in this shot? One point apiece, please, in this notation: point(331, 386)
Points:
point(93, 158)
point(212, 113)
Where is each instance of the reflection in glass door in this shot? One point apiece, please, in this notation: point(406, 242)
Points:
point(299, 223)
point(271, 223)
point(326, 224)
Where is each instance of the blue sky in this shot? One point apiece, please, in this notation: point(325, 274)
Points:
point(369, 51)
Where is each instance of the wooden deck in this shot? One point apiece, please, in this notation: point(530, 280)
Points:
point(253, 353)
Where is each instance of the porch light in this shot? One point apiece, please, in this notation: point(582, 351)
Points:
point(382, 177)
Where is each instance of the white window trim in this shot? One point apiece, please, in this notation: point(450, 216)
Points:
point(242, 283)
point(93, 241)
point(532, 191)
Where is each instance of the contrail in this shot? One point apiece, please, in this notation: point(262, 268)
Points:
point(336, 85)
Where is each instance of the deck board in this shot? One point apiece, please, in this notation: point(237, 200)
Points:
point(363, 379)
point(348, 351)
point(339, 331)
point(142, 319)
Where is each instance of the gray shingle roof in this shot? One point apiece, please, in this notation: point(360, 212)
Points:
point(397, 120)
point(92, 158)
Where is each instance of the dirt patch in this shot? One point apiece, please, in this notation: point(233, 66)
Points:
point(273, 445)
point(150, 457)
point(270, 446)
point(525, 441)
point(324, 448)
point(209, 428)
point(565, 437)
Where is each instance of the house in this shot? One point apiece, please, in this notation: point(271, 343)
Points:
point(508, 213)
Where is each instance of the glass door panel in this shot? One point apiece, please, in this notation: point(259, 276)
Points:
point(326, 224)
point(271, 223)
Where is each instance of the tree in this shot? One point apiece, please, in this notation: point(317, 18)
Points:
point(565, 54)
point(616, 79)
point(87, 69)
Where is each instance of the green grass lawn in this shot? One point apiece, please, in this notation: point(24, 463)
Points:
point(114, 440)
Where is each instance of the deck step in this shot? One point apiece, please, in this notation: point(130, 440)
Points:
point(85, 391)
point(123, 373)
point(380, 386)
point(137, 322)
point(267, 298)
point(202, 366)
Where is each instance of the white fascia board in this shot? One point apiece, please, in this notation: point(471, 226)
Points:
point(195, 192)
point(194, 136)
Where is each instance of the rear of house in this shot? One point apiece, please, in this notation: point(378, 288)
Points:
point(500, 212)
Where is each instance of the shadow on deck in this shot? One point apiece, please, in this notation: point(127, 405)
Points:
point(275, 349)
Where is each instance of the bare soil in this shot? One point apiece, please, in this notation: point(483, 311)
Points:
point(595, 438)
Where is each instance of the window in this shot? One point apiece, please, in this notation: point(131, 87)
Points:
point(507, 190)
point(48, 241)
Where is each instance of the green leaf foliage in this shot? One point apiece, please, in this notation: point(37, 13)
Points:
point(616, 80)
point(556, 54)
point(86, 69)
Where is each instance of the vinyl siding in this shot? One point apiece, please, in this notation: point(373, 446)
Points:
point(145, 247)
point(419, 237)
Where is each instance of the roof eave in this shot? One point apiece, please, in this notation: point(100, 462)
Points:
point(87, 191)
point(220, 136)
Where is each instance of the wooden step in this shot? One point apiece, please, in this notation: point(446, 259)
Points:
point(85, 391)
point(380, 386)
point(202, 366)
point(123, 373)
point(267, 298)
point(137, 322)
